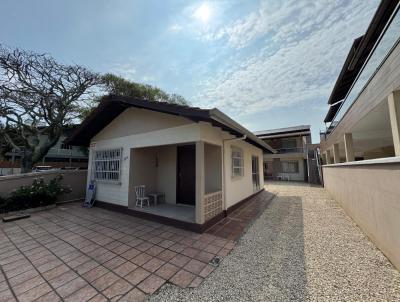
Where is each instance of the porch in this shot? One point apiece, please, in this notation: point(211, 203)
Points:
point(177, 212)
point(188, 177)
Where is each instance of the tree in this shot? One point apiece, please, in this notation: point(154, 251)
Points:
point(38, 98)
point(113, 84)
point(120, 86)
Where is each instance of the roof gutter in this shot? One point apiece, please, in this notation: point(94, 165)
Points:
point(224, 119)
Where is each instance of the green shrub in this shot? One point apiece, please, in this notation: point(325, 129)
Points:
point(38, 194)
point(3, 204)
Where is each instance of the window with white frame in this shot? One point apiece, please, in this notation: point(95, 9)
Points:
point(107, 164)
point(290, 167)
point(237, 162)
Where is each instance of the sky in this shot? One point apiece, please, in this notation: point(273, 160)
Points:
point(266, 63)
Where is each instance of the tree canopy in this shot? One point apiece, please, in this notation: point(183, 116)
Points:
point(39, 97)
point(120, 86)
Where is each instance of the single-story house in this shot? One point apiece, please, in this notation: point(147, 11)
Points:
point(203, 162)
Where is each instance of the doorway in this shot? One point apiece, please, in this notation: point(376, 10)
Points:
point(255, 173)
point(186, 175)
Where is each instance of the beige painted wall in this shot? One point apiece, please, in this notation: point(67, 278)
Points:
point(134, 129)
point(166, 172)
point(296, 176)
point(370, 195)
point(170, 130)
point(379, 153)
point(137, 121)
point(236, 189)
point(212, 168)
point(143, 171)
point(160, 177)
point(277, 162)
point(73, 179)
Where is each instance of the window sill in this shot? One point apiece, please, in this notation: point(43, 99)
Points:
point(117, 182)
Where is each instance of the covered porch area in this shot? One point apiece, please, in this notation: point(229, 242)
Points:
point(187, 179)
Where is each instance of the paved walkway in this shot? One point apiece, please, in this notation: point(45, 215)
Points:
point(235, 224)
point(302, 248)
point(75, 254)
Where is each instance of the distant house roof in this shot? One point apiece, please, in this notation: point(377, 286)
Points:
point(111, 106)
point(358, 54)
point(283, 131)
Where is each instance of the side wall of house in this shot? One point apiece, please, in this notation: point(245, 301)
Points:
point(239, 188)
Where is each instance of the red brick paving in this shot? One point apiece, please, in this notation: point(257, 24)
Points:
point(75, 254)
point(235, 224)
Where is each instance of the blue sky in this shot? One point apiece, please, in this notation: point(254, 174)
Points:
point(268, 64)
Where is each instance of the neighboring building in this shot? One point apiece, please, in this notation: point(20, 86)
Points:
point(361, 146)
point(204, 162)
point(60, 155)
point(293, 161)
point(362, 120)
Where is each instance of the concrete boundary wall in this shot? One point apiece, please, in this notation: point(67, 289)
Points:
point(76, 180)
point(370, 194)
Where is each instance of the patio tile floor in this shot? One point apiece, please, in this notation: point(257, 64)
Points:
point(74, 254)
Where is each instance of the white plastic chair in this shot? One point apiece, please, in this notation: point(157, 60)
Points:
point(141, 196)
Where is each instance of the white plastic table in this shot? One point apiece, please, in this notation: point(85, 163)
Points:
point(155, 196)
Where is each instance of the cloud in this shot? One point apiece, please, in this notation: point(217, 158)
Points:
point(301, 47)
point(125, 70)
point(175, 28)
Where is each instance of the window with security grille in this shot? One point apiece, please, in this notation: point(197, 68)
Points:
point(290, 167)
point(237, 162)
point(107, 165)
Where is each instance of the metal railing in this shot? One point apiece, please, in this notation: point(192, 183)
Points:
point(291, 150)
point(388, 40)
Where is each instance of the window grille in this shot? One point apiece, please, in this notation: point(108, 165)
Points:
point(107, 165)
point(290, 167)
point(237, 162)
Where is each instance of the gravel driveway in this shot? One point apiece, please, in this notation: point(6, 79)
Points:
point(303, 247)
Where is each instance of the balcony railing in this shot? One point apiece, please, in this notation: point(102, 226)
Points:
point(291, 150)
point(382, 49)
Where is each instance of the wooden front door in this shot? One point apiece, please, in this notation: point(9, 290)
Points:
point(186, 175)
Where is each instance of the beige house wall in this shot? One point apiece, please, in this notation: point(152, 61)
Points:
point(212, 168)
point(166, 176)
point(134, 129)
point(277, 166)
point(138, 121)
point(154, 167)
point(369, 192)
point(239, 188)
point(176, 130)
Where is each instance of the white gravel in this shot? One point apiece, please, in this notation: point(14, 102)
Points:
point(302, 248)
